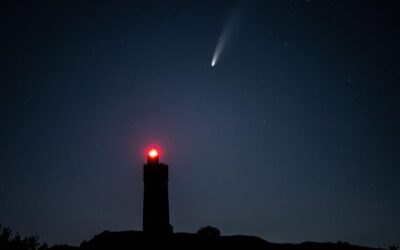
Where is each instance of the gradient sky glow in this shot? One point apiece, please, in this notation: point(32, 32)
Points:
point(293, 136)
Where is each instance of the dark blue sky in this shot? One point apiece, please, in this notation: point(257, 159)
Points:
point(292, 136)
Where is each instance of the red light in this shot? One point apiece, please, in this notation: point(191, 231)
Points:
point(153, 153)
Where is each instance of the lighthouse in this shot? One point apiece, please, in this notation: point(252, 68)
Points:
point(155, 199)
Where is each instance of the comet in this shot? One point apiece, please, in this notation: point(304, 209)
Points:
point(221, 43)
point(223, 38)
point(219, 48)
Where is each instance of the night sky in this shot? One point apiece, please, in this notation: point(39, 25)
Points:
point(292, 136)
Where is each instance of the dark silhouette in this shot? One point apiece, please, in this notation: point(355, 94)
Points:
point(209, 231)
point(157, 230)
point(8, 241)
point(140, 240)
point(155, 202)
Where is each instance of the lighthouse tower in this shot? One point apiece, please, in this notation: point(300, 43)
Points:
point(155, 201)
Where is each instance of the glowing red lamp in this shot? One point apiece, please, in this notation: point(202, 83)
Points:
point(152, 156)
point(153, 153)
